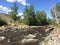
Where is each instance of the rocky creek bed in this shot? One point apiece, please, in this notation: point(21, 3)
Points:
point(53, 38)
point(22, 36)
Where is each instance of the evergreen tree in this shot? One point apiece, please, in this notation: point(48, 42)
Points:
point(13, 13)
point(26, 16)
point(32, 19)
point(50, 21)
point(41, 17)
point(29, 15)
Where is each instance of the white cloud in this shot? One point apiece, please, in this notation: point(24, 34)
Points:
point(1, 6)
point(20, 0)
point(20, 14)
point(23, 2)
point(5, 9)
point(10, 0)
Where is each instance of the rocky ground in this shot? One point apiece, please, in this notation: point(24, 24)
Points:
point(31, 35)
point(53, 38)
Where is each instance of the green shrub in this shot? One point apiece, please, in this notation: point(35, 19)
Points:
point(2, 22)
point(51, 21)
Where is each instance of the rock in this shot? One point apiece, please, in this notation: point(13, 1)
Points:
point(58, 40)
point(30, 36)
point(26, 35)
point(2, 38)
point(55, 38)
point(8, 40)
point(49, 29)
point(13, 24)
point(29, 41)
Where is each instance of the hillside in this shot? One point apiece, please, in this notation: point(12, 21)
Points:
point(5, 17)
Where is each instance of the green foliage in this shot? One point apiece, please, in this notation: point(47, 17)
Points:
point(26, 16)
point(19, 19)
point(13, 13)
point(47, 39)
point(56, 13)
point(41, 17)
point(53, 13)
point(32, 18)
point(29, 15)
point(51, 21)
point(2, 22)
point(56, 9)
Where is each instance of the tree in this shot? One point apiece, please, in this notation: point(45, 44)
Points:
point(56, 12)
point(13, 13)
point(26, 16)
point(41, 17)
point(32, 20)
point(50, 21)
point(19, 19)
point(38, 15)
point(29, 15)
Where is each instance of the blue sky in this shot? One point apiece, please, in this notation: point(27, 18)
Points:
point(46, 5)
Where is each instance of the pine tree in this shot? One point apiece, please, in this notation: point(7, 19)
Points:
point(13, 13)
point(32, 20)
point(41, 17)
point(29, 15)
point(26, 16)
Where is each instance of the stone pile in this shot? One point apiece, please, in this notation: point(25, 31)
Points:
point(53, 38)
point(16, 36)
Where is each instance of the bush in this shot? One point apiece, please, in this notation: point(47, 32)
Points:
point(41, 18)
point(2, 22)
point(51, 21)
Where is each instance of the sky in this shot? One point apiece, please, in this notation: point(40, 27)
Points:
point(46, 5)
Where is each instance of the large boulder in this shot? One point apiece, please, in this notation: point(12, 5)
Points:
point(30, 36)
point(29, 42)
point(2, 38)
